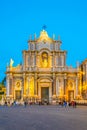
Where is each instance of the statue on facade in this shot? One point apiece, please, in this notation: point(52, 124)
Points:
point(45, 59)
point(11, 62)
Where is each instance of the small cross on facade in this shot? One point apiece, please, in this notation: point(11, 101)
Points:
point(44, 27)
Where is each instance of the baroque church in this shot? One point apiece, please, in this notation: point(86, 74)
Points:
point(44, 74)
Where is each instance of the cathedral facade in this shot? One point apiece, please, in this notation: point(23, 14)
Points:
point(44, 74)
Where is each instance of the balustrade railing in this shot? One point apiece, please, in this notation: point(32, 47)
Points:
point(50, 69)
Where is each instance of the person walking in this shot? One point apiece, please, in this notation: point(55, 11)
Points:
point(65, 103)
point(25, 103)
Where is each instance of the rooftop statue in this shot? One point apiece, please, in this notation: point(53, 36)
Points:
point(11, 62)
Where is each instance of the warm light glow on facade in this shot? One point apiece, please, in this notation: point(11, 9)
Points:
point(44, 73)
point(31, 87)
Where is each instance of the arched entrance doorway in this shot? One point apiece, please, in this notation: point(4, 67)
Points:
point(71, 91)
point(45, 89)
point(45, 93)
point(17, 91)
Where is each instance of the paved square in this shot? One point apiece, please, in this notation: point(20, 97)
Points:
point(43, 118)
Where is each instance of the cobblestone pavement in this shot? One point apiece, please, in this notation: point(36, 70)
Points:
point(43, 118)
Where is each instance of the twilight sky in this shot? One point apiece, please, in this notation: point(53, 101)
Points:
point(21, 18)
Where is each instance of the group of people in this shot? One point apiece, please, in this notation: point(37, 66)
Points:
point(25, 103)
point(68, 103)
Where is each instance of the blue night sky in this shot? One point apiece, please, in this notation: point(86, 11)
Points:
point(21, 18)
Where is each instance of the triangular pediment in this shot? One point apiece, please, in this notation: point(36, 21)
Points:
point(44, 37)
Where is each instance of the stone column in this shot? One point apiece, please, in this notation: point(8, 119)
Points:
point(57, 61)
point(24, 58)
point(35, 60)
point(12, 86)
point(57, 86)
point(53, 61)
point(38, 61)
point(62, 60)
point(54, 84)
point(35, 57)
point(65, 82)
point(28, 85)
point(50, 90)
point(39, 90)
point(7, 86)
point(35, 84)
point(76, 86)
point(86, 72)
point(21, 90)
point(24, 85)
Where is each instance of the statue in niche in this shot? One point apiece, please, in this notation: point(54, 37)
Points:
point(44, 59)
point(18, 84)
